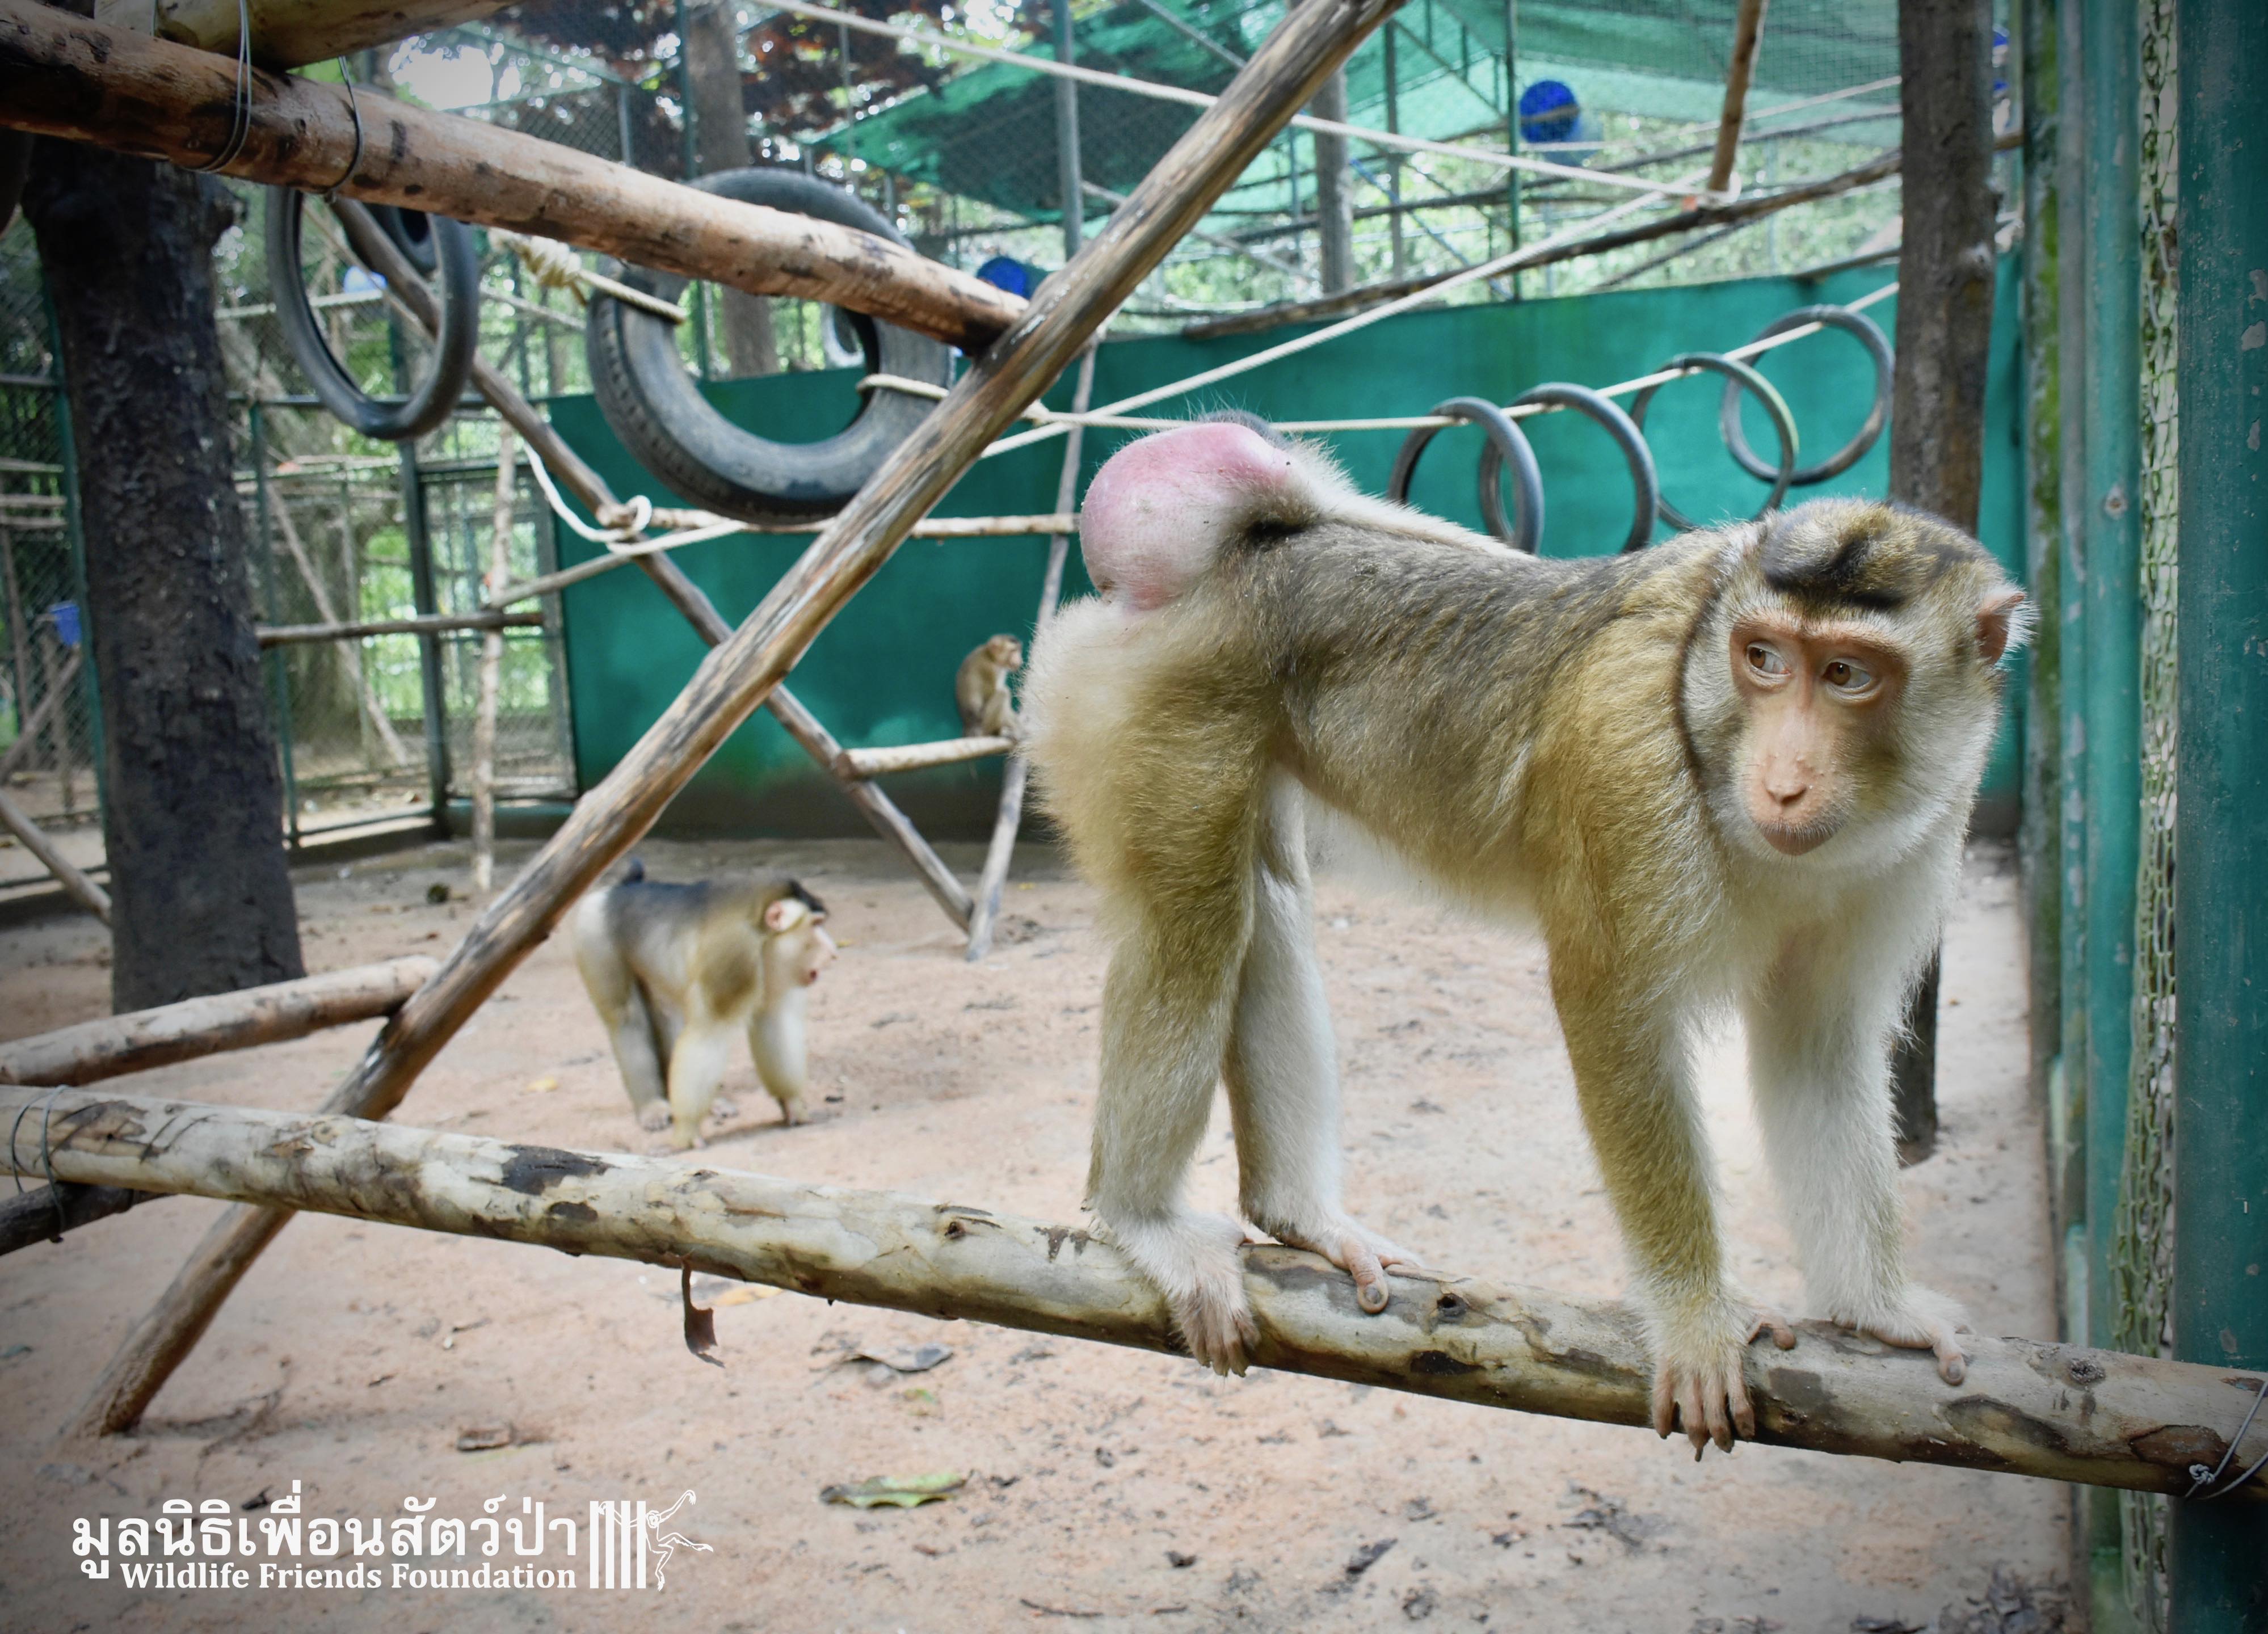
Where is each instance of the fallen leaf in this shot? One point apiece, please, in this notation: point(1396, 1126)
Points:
point(700, 1321)
point(542, 1085)
point(919, 1360)
point(483, 1438)
point(904, 1491)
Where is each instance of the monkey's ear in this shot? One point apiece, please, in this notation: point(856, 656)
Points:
point(782, 914)
point(2001, 623)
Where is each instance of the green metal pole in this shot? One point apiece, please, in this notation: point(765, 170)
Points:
point(2218, 1553)
point(2111, 406)
point(417, 531)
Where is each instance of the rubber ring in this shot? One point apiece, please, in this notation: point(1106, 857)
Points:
point(435, 397)
point(1775, 405)
point(1506, 441)
point(1643, 479)
point(1878, 350)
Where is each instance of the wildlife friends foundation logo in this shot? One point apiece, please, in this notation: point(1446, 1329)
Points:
point(623, 1543)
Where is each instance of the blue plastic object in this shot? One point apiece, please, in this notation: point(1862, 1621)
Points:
point(65, 614)
point(1005, 272)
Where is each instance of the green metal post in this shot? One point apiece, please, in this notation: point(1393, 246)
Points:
point(1511, 119)
point(2110, 408)
point(2218, 1553)
point(420, 537)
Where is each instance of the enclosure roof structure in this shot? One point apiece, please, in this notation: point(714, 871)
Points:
point(988, 131)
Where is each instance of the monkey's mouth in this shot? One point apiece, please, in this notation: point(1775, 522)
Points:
point(1794, 839)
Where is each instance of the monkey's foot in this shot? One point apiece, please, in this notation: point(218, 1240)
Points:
point(1363, 1255)
point(1698, 1382)
point(654, 1117)
point(1917, 1320)
point(1192, 1259)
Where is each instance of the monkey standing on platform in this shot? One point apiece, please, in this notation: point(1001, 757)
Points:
point(980, 688)
point(678, 971)
point(1731, 772)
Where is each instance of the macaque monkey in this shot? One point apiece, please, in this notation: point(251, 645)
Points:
point(677, 971)
point(980, 688)
point(1730, 773)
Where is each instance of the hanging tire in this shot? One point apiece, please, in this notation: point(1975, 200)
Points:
point(1868, 334)
point(1783, 427)
point(655, 408)
point(434, 396)
point(1508, 445)
point(412, 232)
point(1609, 414)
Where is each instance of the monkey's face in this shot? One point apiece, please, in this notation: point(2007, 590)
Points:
point(1006, 652)
point(1821, 700)
point(796, 943)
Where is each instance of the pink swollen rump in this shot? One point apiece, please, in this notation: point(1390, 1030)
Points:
point(1158, 508)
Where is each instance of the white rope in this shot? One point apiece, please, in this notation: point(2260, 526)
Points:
point(555, 266)
point(1198, 98)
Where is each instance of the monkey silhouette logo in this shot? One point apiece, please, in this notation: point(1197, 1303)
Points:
point(665, 1542)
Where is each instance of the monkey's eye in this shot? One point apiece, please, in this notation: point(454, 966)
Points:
point(1764, 661)
point(1844, 676)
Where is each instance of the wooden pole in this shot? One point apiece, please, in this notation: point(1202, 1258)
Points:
point(1747, 34)
point(917, 756)
point(2066, 1413)
point(424, 624)
point(1944, 337)
point(76, 884)
point(288, 33)
point(1010, 818)
point(484, 719)
point(349, 657)
point(737, 677)
point(28, 727)
point(218, 1022)
point(63, 76)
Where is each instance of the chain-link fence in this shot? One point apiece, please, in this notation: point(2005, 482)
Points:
point(47, 739)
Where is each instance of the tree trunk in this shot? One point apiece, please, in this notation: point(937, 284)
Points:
point(1944, 336)
point(1334, 194)
point(194, 823)
point(720, 141)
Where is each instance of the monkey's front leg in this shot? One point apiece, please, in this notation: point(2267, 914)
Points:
point(776, 1042)
point(696, 1065)
point(1819, 1067)
point(1283, 1078)
point(1632, 1079)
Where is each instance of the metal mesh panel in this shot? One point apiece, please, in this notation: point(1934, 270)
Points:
point(2143, 1231)
point(43, 650)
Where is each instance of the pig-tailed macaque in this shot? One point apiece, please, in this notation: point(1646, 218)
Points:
point(678, 971)
point(1730, 773)
point(980, 688)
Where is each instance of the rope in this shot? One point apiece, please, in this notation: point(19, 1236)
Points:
point(555, 265)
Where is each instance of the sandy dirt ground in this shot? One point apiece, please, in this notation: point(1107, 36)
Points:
point(1108, 1490)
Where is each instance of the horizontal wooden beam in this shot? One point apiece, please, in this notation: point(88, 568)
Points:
point(63, 76)
point(914, 756)
point(288, 33)
point(424, 624)
point(214, 1024)
point(2064, 1412)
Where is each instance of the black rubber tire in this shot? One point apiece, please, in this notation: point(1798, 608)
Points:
point(1878, 351)
point(412, 232)
point(1506, 441)
point(1775, 405)
point(435, 397)
point(1643, 479)
point(655, 408)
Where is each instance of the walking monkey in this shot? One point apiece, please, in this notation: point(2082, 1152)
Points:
point(1732, 772)
point(676, 971)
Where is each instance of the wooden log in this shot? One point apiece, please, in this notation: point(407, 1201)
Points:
point(63, 76)
point(741, 672)
point(218, 1022)
point(44, 1213)
point(915, 756)
point(1748, 35)
point(288, 33)
point(2063, 1412)
point(424, 624)
point(28, 730)
point(76, 884)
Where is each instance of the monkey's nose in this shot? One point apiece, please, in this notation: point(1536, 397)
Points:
point(1787, 792)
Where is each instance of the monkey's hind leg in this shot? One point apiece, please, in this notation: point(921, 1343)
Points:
point(1166, 1007)
point(1282, 1071)
point(640, 1050)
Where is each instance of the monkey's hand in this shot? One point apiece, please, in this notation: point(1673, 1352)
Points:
point(1698, 1382)
point(1364, 1255)
point(1192, 1259)
point(1915, 1320)
point(654, 1117)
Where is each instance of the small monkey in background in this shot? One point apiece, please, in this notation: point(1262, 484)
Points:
point(1732, 772)
point(678, 971)
point(980, 688)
